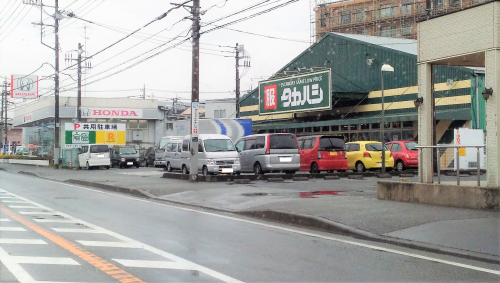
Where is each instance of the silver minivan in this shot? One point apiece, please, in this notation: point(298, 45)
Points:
point(217, 155)
point(265, 153)
point(173, 154)
point(160, 151)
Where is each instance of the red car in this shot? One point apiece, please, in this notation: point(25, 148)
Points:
point(405, 154)
point(322, 153)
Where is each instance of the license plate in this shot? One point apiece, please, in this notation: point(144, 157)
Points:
point(285, 159)
point(333, 153)
point(100, 155)
point(380, 164)
point(130, 163)
point(227, 170)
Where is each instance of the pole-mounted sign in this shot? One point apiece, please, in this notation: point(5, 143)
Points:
point(195, 108)
point(22, 86)
point(294, 94)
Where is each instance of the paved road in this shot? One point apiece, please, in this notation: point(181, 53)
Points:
point(53, 232)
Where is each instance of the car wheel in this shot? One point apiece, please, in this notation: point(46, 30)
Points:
point(314, 168)
point(88, 166)
point(120, 165)
point(360, 167)
point(204, 171)
point(107, 167)
point(137, 165)
point(147, 165)
point(257, 169)
point(184, 170)
point(400, 166)
point(169, 167)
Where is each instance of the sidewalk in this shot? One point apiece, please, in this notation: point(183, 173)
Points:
point(349, 205)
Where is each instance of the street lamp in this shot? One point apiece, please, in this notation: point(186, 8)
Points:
point(385, 68)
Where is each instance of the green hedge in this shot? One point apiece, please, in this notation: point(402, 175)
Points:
point(23, 157)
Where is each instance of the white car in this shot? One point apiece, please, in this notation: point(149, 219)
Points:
point(95, 155)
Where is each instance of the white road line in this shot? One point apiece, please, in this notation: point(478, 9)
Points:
point(19, 229)
point(21, 275)
point(56, 221)
point(43, 260)
point(154, 264)
point(110, 244)
point(2, 197)
point(77, 230)
point(291, 230)
point(4, 220)
point(14, 201)
point(23, 206)
point(23, 241)
point(37, 212)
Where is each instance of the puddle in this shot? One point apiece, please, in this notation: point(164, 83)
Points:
point(320, 193)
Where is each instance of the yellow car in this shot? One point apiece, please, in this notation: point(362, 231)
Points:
point(362, 155)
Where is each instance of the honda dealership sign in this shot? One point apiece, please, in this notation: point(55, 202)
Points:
point(103, 112)
point(300, 93)
point(22, 86)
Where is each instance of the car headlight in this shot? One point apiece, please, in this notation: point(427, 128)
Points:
point(211, 162)
point(237, 161)
point(123, 159)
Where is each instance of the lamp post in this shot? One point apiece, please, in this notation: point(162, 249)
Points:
point(385, 68)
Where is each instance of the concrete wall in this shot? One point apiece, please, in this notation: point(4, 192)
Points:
point(230, 108)
point(445, 195)
point(26, 162)
point(444, 37)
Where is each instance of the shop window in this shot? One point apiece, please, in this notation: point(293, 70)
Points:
point(335, 128)
point(408, 124)
point(407, 135)
point(345, 17)
point(220, 113)
point(396, 124)
point(325, 129)
point(406, 8)
point(132, 124)
point(388, 10)
point(364, 126)
point(143, 124)
point(406, 29)
point(376, 126)
point(300, 130)
point(316, 129)
point(375, 136)
point(387, 125)
point(170, 126)
point(360, 15)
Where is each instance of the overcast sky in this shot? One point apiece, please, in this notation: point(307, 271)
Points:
point(21, 51)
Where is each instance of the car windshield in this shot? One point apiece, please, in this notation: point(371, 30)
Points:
point(98, 148)
point(163, 143)
point(374, 146)
point(127, 150)
point(281, 141)
point(217, 145)
point(331, 143)
point(411, 145)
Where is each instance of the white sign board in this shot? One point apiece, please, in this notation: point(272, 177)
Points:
point(105, 112)
point(22, 86)
point(195, 108)
point(468, 155)
point(95, 126)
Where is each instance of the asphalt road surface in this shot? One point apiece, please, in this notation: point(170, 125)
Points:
point(54, 232)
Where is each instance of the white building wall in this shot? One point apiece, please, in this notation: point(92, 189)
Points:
point(229, 107)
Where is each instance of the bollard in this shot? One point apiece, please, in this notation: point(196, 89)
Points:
point(70, 164)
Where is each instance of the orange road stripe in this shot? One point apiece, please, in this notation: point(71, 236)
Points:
point(87, 256)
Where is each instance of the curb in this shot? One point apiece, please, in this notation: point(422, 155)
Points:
point(322, 224)
point(135, 192)
point(29, 174)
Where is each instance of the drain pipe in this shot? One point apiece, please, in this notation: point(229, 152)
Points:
point(474, 73)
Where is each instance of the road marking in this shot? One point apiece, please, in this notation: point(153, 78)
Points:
point(4, 220)
point(55, 221)
point(77, 230)
point(109, 244)
point(6, 197)
point(23, 206)
point(154, 264)
point(23, 241)
point(14, 268)
point(43, 232)
point(291, 230)
point(36, 212)
point(14, 201)
point(43, 260)
point(19, 229)
point(89, 257)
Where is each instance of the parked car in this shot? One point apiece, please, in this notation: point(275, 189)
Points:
point(269, 153)
point(362, 155)
point(405, 154)
point(161, 150)
point(124, 156)
point(149, 157)
point(94, 155)
point(216, 155)
point(322, 153)
point(173, 155)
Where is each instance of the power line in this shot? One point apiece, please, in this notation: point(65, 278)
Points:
point(17, 24)
point(24, 7)
point(13, 4)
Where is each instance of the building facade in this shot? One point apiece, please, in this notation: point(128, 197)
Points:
point(387, 18)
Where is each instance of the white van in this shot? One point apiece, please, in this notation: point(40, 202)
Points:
point(94, 155)
point(160, 151)
point(173, 154)
point(217, 155)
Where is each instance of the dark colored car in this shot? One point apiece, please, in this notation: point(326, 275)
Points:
point(124, 156)
point(149, 157)
point(405, 154)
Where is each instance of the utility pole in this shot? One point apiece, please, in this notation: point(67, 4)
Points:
point(144, 92)
point(237, 81)
point(4, 111)
point(80, 70)
point(195, 95)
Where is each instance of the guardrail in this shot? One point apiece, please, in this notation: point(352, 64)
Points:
point(457, 159)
